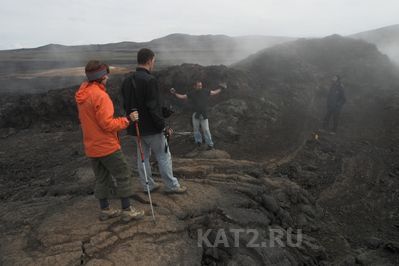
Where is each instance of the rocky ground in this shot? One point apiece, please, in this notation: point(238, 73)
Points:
point(50, 217)
point(335, 193)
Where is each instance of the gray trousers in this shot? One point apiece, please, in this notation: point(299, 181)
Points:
point(156, 144)
point(204, 124)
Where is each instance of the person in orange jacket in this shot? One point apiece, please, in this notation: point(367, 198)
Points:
point(101, 143)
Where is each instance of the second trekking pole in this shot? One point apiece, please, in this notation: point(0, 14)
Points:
point(144, 169)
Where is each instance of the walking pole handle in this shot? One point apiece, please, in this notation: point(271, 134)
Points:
point(136, 125)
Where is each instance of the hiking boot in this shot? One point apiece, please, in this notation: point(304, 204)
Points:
point(131, 213)
point(176, 190)
point(109, 213)
point(154, 188)
point(210, 148)
point(198, 144)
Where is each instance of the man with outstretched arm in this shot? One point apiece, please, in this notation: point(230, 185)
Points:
point(140, 92)
point(101, 143)
point(199, 98)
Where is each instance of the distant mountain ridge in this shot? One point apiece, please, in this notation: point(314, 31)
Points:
point(171, 49)
point(386, 39)
point(175, 41)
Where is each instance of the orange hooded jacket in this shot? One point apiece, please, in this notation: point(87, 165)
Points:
point(96, 115)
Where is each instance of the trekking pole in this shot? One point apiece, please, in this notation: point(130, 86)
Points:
point(167, 113)
point(145, 171)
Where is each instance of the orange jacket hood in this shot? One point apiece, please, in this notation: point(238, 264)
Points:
point(84, 91)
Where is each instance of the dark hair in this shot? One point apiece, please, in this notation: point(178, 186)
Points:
point(144, 55)
point(94, 66)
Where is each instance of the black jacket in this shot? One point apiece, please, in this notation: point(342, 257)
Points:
point(199, 101)
point(140, 91)
point(336, 96)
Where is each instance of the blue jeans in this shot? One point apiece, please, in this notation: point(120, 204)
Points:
point(156, 144)
point(205, 129)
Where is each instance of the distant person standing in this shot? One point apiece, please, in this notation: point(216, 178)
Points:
point(140, 92)
point(335, 101)
point(199, 99)
point(101, 143)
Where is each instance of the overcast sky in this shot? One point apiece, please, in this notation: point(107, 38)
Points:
point(32, 23)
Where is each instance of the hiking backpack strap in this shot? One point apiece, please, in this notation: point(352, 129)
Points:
point(130, 95)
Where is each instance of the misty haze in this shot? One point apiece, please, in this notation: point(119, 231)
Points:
point(284, 143)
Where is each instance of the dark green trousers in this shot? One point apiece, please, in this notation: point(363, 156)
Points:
point(113, 176)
